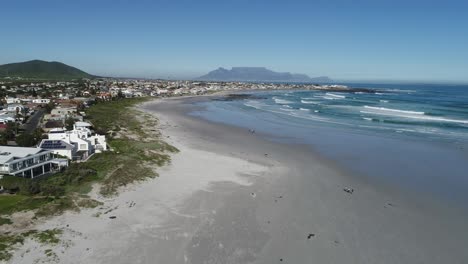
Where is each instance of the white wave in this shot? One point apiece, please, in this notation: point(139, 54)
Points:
point(316, 111)
point(282, 101)
point(309, 102)
point(384, 101)
point(287, 106)
point(286, 109)
point(330, 98)
point(359, 92)
point(303, 109)
point(383, 109)
point(421, 117)
point(336, 95)
point(401, 90)
point(367, 118)
point(298, 114)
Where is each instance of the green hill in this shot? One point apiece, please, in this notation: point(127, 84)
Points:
point(37, 69)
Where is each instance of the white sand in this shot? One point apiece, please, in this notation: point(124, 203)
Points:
point(91, 239)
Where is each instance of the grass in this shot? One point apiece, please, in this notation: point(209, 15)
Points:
point(5, 221)
point(16, 203)
point(8, 242)
point(50, 236)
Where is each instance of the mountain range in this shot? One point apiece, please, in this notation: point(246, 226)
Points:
point(258, 74)
point(37, 69)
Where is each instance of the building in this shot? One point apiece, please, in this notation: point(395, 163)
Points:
point(28, 162)
point(82, 138)
point(15, 108)
point(59, 147)
point(41, 101)
point(12, 100)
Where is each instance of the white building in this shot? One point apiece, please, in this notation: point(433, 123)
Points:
point(28, 162)
point(81, 138)
point(59, 147)
point(41, 101)
point(12, 100)
point(15, 107)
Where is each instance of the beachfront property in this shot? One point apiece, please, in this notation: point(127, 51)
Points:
point(81, 138)
point(28, 162)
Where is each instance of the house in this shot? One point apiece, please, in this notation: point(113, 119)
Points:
point(66, 111)
point(41, 101)
point(28, 162)
point(6, 117)
point(59, 147)
point(82, 138)
point(15, 108)
point(12, 100)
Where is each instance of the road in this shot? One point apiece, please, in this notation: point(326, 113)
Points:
point(33, 121)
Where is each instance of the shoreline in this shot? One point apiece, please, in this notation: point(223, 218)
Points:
point(223, 200)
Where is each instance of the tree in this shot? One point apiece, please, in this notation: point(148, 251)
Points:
point(25, 140)
point(120, 94)
point(49, 107)
point(69, 122)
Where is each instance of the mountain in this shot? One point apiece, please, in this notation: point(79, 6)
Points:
point(42, 70)
point(258, 74)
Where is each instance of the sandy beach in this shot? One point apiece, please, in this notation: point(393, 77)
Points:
point(231, 196)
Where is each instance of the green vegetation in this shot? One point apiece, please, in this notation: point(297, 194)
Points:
point(48, 236)
point(5, 221)
point(136, 149)
point(42, 70)
point(9, 241)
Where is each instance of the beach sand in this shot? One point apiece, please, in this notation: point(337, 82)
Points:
point(231, 196)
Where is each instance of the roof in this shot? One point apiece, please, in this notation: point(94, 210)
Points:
point(82, 124)
point(8, 153)
point(55, 144)
point(53, 124)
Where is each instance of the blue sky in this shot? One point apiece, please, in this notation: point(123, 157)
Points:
point(346, 40)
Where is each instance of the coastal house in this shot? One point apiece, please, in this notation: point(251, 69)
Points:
point(59, 147)
point(28, 162)
point(81, 138)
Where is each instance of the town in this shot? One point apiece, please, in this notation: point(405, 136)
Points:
point(43, 125)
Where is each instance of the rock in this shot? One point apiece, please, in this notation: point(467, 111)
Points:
point(310, 236)
point(112, 217)
point(348, 190)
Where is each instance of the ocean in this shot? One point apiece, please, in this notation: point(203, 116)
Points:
point(412, 136)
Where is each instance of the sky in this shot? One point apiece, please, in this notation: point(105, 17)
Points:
point(347, 40)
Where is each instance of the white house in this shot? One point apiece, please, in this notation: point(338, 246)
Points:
point(41, 101)
point(59, 147)
point(12, 100)
point(15, 107)
point(81, 138)
point(28, 162)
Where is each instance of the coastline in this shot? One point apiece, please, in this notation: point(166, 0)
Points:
point(222, 199)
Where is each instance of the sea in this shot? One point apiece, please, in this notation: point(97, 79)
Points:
point(411, 136)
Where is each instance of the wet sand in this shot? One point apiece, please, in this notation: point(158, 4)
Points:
point(231, 196)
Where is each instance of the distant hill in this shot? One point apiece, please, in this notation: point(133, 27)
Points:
point(37, 69)
point(259, 74)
